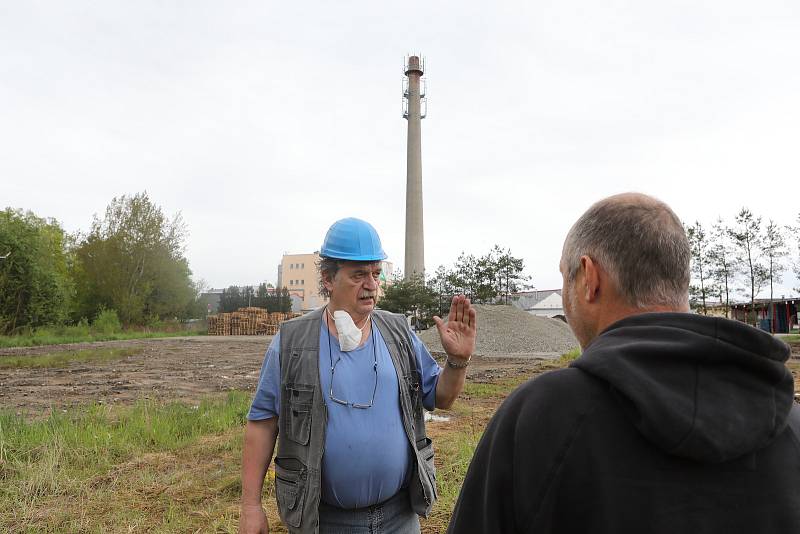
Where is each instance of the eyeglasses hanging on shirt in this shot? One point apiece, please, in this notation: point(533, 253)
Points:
point(339, 358)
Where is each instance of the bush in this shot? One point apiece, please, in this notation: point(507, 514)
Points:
point(107, 322)
point(80, 329)
point(45, 334)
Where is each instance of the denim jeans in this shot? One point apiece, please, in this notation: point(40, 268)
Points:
point(389, 517)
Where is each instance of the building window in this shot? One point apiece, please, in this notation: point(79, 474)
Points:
point(302, 265)
point(291, 282)
point(302, 282)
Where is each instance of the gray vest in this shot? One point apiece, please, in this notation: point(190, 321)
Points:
point(304, 415)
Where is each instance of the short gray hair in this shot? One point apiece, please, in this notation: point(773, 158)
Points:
point(640, 243)
point(327, 267)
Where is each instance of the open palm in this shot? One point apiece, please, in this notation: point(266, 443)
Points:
point(458, 334)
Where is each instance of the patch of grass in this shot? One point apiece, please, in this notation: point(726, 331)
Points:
point(151, 466)
point(482, 390)
point(488, 390)
point(569, 357)
point(112, 433)
point(454, 453)
point(62, 359)
point(793, 338)
point(49, 336)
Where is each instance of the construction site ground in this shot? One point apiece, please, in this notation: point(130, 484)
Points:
point(198, 486)
point(186, 369)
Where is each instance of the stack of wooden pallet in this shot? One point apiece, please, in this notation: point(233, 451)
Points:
point(219, 325)
point(247, 322)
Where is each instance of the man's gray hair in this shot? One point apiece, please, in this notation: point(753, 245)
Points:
point(327, 267)
point(640, 242)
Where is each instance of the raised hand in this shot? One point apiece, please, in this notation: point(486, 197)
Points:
point(458, 334)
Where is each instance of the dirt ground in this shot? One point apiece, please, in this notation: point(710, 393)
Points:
point(187, 369)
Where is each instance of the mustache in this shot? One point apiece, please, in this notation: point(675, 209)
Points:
point(372, 294)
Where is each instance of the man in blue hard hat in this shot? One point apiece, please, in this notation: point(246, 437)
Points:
point(345, 387)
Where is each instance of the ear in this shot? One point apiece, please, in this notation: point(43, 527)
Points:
point(591, 277)
point(327, 281)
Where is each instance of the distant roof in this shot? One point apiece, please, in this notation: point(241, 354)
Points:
point(783, 300)
point(552, 302)
point(527, 300)
point(536, 292)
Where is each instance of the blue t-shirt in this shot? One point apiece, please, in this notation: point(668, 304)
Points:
point(367, 455)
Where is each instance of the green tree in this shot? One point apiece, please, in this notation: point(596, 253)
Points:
point(248, 296)
point(444, 290)
point(132, 260)
point(701, 266)
point(230, 300)
point(262, 296)
point(482, 279)
point(462, 278)
point(475, 277)
point(723, 267)
point(411, 296)
point(284, 301)
point(197, 308)
point(35, 286)
point(508, 271)
point(774, 249)
point(746, 236)
point(486, 277)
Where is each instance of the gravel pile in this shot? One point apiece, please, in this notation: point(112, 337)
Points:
point(509, 330)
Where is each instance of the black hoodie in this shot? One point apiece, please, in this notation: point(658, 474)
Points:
point(668, 423)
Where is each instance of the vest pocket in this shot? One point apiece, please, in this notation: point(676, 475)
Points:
point(298, 420)
point(290, 489)
point(425, 448)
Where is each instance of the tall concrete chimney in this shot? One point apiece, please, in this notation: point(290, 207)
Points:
point(413, 100)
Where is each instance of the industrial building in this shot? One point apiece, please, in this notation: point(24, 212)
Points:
point(298, 273)
point(544, 302)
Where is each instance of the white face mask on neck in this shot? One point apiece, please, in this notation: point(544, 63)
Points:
point(349, 333)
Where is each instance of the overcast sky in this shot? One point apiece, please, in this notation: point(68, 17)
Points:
point(264, 122)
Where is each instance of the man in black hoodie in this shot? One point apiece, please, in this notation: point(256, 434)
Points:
point(669, 422)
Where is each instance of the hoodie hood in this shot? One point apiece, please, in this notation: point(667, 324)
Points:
point(704, 388)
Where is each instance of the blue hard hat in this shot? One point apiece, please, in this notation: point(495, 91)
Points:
point(352, 239)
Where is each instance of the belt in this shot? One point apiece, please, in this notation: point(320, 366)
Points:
point(402, 493)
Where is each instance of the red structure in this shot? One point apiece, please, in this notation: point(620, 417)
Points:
point(781, 318)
